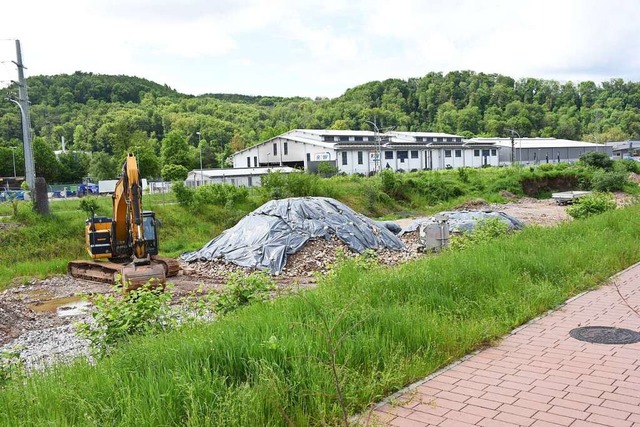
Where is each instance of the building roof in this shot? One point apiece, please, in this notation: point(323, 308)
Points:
point(623, 145)
point(536, 142)
point(232, 172)
point(425, 134)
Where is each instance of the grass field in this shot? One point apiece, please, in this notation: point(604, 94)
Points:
point(363, 333)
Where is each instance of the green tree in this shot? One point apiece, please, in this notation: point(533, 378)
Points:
point(174, 173)
point(73, 166)
point(175, 151)
point(46, 163)
point(103, 166)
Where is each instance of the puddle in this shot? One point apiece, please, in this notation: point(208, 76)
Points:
point(63, 307)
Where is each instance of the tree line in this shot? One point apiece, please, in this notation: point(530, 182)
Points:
point(101, 118)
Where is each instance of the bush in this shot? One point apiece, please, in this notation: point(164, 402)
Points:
point(628, 166)
point(89, 205)
point(603, 180)
point(184, 194)
point(592, 204)
point(485, 230)
point(239, 291)
point(597, 159)
point(11, 366)
point(138, 311)
point(277, 185)
point(220, 195)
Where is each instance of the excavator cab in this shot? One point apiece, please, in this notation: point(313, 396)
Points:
point(150, 232)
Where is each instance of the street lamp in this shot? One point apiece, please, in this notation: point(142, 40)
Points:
point(200, 149)
point(13, 152)
point(513, 147)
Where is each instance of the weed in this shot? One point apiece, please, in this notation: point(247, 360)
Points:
point(119, 316)
point(242, 290)
point(11, 365)
point(486, 230)
point(592, 204)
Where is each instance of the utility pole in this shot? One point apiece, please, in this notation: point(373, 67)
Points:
point(23, 103)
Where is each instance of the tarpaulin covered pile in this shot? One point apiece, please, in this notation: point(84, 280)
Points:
point(265, 237)
point(462, 221)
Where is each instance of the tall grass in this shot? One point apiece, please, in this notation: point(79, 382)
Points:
point(269, 364)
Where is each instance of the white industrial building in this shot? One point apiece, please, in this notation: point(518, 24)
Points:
point(356, 151)
point(247, 177)
point(533, 151)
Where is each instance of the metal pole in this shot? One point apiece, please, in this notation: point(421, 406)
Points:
point(23, 102)
point(200, 148)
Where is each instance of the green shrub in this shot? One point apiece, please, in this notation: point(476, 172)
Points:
point(597, 159)
point(135, 312)
point(628, 166)
point(220, 195)
point(88, 205)
point(592, 204)
point(485, 230)
point(11, 366)
point(184, 194)
point(603, 180)
point(242, 290)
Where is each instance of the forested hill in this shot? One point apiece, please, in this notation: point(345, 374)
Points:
point(81, 87)
point(114, 114)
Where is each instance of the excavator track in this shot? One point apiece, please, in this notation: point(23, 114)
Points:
point(171, 265)
point(106, 271)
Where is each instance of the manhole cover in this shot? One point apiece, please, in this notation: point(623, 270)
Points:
point(605, 335)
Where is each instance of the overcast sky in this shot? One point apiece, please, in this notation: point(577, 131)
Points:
point(320, 47)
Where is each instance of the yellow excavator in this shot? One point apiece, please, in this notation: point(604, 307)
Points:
point(125, 244)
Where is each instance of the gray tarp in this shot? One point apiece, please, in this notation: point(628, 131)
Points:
point(265, 237)
point(462, 221)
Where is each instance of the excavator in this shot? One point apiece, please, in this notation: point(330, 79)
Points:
point(125, 244)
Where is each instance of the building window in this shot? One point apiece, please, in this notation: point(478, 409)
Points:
point(286, 148)
point(485, 153)
point(248, 162)
point(358, 138)
point(250, 181)
point(403, 154)
point(447, 153)
point(255, 161)
point(493, 152)
point(336, 139)
point(352, 138)
point(388, 155)
point(308, 157)
point(233, 181)
point(275, 149)
point(344, 158)
point(360, 160)
point(458, 153)
point(476, 153)
point(414, 154)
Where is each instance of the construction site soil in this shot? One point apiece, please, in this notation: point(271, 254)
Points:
point(36, 316)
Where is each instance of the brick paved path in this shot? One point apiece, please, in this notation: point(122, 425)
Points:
point(538, 375)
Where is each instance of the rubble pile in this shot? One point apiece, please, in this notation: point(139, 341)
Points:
point(277, 230)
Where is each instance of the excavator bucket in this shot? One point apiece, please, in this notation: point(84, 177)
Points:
point(135, 276)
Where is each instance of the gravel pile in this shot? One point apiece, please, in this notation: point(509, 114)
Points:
point(41, 348)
